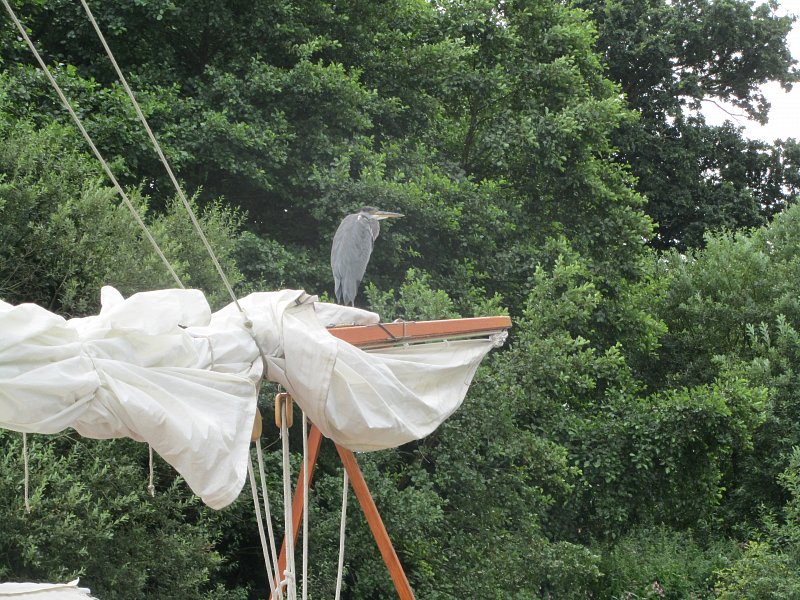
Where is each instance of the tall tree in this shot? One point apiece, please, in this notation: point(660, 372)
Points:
point(670, 58)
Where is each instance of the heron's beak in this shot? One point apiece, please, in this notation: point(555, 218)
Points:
point(382, 214)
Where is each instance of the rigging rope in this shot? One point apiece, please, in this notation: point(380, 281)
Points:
point(261, 535)
point(289, 574)
point(163, 158)
point(305, 507)
point(265, 495)
point(89, 141)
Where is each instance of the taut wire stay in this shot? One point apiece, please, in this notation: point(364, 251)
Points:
point(163, 158)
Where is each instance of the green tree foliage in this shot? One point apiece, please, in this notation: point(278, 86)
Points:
point(671, 57)
point(663, 563)
point(735, 305)
point(91, 517)
point(66, 233)
point(463, 118)
point(768, 567)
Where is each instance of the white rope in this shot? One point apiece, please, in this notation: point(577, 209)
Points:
point(89, 141)
point(267, 511)
point(26, 482)
point(305, 507)
point(340, 569)
point(264, 550)
point(163, 158)
point(151, 488)
point(289, 574)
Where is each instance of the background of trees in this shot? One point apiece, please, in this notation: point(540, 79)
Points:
point(638, 436)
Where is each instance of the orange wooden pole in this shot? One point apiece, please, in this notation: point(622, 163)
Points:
point(314, 441)
point(415, 331)
point(376, 524)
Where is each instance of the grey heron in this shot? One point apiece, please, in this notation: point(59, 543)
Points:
point(351, 249)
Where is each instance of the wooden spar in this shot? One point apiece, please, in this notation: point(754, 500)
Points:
point(376, 336)
point(366, 336)
point(368, 507)
point(375, 522)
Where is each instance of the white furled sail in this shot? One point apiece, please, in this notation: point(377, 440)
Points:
point(45, 591)
point(159, 367)
point(137, 370)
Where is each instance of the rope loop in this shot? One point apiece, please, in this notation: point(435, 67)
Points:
point(151, 488)
point(342, 526)
point(26, 483)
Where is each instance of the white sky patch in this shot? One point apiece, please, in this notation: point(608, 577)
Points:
point(784, 112)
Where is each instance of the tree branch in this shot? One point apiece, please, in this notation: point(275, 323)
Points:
point(734, 116)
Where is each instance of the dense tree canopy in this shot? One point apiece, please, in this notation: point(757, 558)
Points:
point(637, 436)
point(672, 57)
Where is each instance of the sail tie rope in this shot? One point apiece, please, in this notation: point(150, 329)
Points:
point(26, 483)
point(270, 572)
point(151, 488)
point(342, 525)
point(267, 511)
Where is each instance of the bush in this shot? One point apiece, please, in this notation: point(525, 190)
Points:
point(658, 562)
point(91, 517)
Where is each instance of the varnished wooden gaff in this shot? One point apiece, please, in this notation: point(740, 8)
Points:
point(389, 334)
